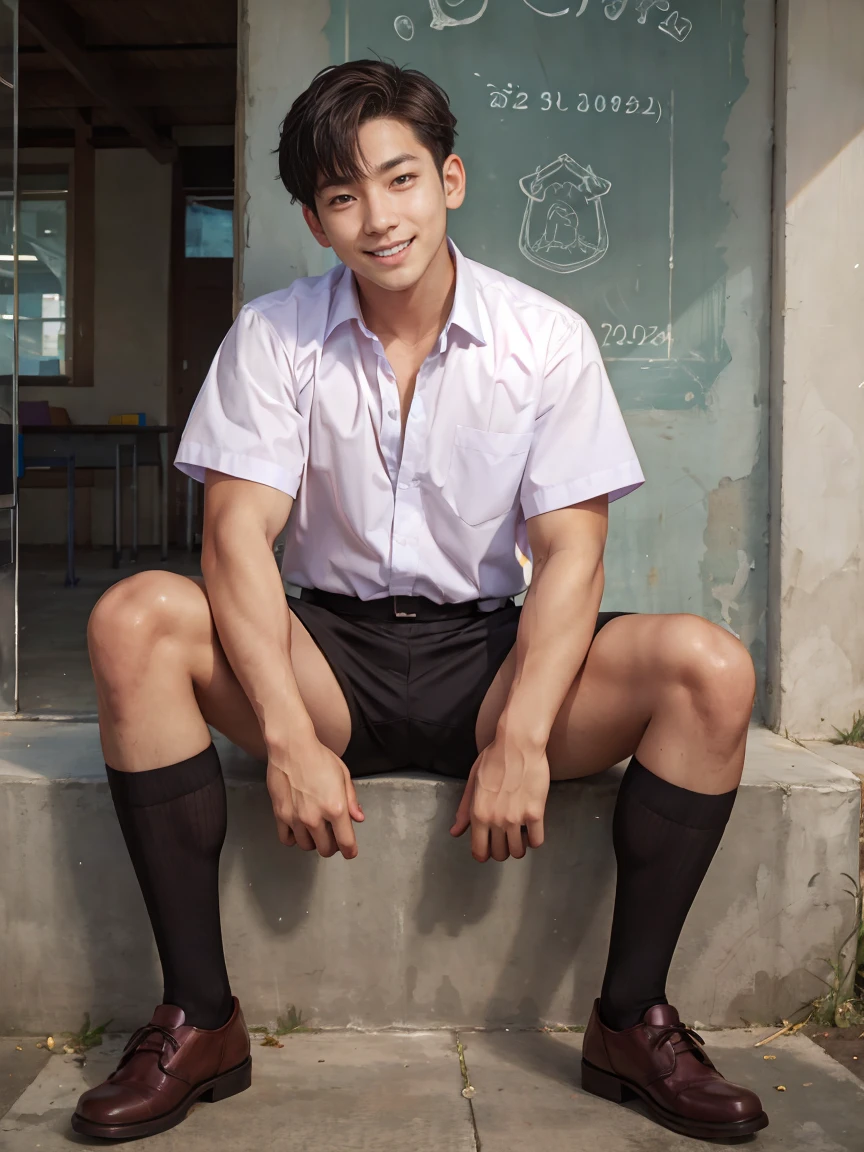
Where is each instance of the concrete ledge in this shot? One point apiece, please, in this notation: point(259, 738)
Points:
point(413, 933)
point(846, 755)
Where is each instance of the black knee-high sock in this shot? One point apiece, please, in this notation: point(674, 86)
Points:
point(173, 820)
point(665, 837)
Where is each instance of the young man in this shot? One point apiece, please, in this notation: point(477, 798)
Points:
point(416, 414)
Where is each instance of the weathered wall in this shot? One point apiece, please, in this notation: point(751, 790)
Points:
point(697, 541)
point(282, 46)
point(695, 537)
point(817, 625)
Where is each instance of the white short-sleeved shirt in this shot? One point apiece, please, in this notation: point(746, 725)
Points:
point(513, 415)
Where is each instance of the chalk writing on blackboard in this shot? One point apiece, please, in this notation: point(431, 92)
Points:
point(552, 235)
point(675, 25)
point(404, 26)
point(547, 102)
point(639, 335)
point(506, 96)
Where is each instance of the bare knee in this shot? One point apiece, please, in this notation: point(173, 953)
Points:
point(135, 614)
point(713, 667)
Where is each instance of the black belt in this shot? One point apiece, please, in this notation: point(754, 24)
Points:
point(389, 607)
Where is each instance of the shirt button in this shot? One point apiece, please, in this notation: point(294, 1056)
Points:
point(393, 413)
point(402, 484)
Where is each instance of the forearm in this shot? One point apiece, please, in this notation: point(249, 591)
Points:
point(555, 631)
point(254, 626)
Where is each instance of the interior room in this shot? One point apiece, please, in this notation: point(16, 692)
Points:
point(125, 288)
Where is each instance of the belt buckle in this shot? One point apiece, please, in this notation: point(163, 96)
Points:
point(396, 611)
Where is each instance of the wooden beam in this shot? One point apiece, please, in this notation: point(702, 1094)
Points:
point(48, 129)
point(144, 88)
point(178, 46)
point(50, 22)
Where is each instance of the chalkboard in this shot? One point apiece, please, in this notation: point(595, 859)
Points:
point(593, 136)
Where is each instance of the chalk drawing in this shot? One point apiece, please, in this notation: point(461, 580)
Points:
point(404, 26)
point(645, 6)
point(552, 236)
point(676, 26)
point(540, 11)
point(440, 19)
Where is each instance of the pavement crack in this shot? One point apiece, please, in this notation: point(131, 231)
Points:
point(468, 1090)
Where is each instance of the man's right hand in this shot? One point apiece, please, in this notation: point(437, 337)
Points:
point(314, 801)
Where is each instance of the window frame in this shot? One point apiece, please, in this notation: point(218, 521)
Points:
point(79, 164)
point(62, 379)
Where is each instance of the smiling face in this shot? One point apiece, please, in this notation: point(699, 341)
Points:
point(390, 225)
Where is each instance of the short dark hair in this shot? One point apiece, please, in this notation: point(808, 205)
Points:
point(318, 138)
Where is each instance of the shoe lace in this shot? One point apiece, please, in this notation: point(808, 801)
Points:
point(688, 1039)
point(138, 1038)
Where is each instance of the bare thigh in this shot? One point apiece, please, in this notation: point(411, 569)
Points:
point(607, 709)
point(674, 689)
point(156, 655)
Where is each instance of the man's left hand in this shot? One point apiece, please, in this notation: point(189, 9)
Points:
point(504, 801)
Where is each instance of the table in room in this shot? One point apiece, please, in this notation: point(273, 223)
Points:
point(101, 446)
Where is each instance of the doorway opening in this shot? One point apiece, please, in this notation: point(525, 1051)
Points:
point(126, 270)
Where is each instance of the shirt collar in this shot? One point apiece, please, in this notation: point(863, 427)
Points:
point(344, 303)
point(465, 314)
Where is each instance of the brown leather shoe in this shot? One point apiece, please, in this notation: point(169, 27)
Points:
point(165, 1068)
point(665, 1064)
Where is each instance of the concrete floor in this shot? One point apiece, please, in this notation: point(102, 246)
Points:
point(54, 669)
point(20, 1063)
point(845, 1045)
point(395, 1092)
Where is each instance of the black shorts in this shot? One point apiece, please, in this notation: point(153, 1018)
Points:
point(413, 687)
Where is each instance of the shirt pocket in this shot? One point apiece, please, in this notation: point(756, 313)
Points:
point(485, 473)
